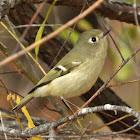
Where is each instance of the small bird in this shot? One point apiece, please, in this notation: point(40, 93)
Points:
point(76, 72)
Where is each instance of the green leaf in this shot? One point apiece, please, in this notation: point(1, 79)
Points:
point(64, 34)
point(41, 29)
point(84, 25)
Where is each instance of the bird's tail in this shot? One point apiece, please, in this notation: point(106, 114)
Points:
point(23, 102)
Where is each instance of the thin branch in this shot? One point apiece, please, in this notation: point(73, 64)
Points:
point(2, 124)
point(102, 22)
point(50, 36)
point(113, 9)
point(135, 14)
point(66, 38)
point(32, 25)
point(10, 72)
point(123, 83)
point(46, 127)
point(85, 130)
point(4, 86)
point(115, 121)
point(18, 63)
point(32, 20)
point(104, 85)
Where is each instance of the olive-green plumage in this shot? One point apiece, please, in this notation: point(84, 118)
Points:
point(76, 72)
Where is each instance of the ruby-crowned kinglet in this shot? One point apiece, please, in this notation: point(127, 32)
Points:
point(76, 72)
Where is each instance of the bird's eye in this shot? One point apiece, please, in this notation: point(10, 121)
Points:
point(93, 40)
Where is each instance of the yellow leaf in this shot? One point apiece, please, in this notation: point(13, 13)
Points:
point(35, 138)
point(28, 117)
point(7, 116)
point(30, 122)
point(10, 96)
point(18, 100)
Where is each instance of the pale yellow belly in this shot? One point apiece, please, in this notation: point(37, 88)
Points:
point(73, 84)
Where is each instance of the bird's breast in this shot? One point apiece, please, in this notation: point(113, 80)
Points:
point(76, 82)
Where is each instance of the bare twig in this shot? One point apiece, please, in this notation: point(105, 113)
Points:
point(9, 72)
point(52, 134)
point(67, 38)
point(102, 22)
point(30, 23)
point(135, 14)
point(46, 127)
point(123, 83)
point(85, 130)
point(104, 85)
point(18, 64)
point(48, 37)
point(2, 124)
point(116, 120)
point(114, 9)
point(4, 87)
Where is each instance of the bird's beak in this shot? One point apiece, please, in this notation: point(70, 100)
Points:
point(105, 33)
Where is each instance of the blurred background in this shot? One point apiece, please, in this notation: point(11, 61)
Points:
point(126, 36)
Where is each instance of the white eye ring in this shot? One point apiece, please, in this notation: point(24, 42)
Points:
point(93, 40)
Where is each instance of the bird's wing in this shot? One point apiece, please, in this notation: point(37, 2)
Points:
point(56, 72)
